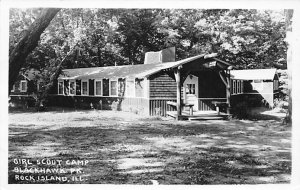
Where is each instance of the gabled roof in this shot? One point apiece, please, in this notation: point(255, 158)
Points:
point(254, 74)
point(127, 71)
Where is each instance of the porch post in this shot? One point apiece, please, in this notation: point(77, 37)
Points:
point(228, 92)
point(178, 85)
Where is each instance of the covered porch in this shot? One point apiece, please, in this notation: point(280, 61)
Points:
point(203, 88)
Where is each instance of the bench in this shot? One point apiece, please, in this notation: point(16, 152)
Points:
point(186, 105)
point(217, 104)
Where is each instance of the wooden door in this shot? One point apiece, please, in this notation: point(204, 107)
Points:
point(190, 87)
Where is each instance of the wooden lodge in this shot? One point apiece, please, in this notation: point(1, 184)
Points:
point(202, 85)
point(199, 83)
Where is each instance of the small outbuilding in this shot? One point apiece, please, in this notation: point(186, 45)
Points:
point(21, 93)
point(260, 86)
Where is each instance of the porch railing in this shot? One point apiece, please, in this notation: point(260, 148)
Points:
point(205, 104)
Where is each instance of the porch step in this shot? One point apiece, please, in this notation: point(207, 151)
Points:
point(199, 116)
point(205, 118)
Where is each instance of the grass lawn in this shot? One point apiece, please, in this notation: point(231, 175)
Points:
point(124, 148)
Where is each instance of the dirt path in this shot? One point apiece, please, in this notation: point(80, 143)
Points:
point(127, 148)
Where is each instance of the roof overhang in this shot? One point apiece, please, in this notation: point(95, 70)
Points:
point(137, 71)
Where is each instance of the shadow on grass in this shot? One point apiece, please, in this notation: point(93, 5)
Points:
point(171, 153)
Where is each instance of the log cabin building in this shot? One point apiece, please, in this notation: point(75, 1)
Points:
point(158, 86)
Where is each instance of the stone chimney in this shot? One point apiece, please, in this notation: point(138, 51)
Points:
point(163, 56)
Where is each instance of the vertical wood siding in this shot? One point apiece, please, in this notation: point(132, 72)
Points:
point(135, 105)
point(159, 107)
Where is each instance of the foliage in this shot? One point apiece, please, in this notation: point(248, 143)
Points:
point(247, 38)
point(27, 42)
point(106, 37)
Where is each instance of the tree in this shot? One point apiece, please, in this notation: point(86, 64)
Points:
point(289, 30)
point(28, 42)
point(137, 33)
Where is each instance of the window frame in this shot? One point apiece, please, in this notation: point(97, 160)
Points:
point(117, 82)
point(276, 84)
point(191, 87)
point(233, 86)
point(95, 87)
point(62, 86)
point(38, 86)
point(74, 81)
point(242, 86)
point(20, 87)
point(238, 87)
point(87, 87)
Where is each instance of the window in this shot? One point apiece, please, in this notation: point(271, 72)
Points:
point(190, 89)
point(233, 87)
point(238, 89)
point(84, 88)
point(66, 87)
point(23, 86)
point(40, 86)
point(121, 85)
point(113, 88)
point(130, 89)
point(60, 87)
point(72, 88)
point(242, 86)
point(276, 85)
point(98, 87)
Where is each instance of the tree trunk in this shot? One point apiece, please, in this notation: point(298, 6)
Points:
point(28, 42)
point(289, 40)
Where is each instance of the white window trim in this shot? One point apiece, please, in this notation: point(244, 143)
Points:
point(20, 87)
point(60, 81)
point(126, 91)
point(74, 87)
point(238, 87)
point(101, 93)
point(109, 86)
point(82, 81)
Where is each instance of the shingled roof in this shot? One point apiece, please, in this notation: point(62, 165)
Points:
point(127, 71)
point(254, 74)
